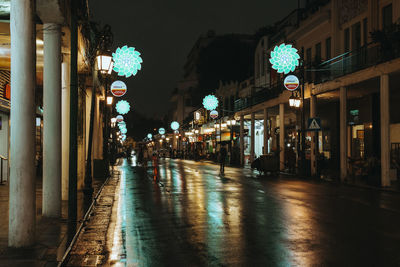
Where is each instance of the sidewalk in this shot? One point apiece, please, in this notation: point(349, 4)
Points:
point(94, 243)
point(52, 235)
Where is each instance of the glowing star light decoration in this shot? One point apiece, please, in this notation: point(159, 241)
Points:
point(284, 58)
point(210, 102)
point(174, 125)
point(122, 107)
point(127, 61)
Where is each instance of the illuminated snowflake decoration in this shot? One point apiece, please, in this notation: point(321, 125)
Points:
point(122, 127)
point(210, 102)
point(124, 130)
point(161, 131)
point(122, 107)
point(127, 61)
point(174, 125)
point(149, 136)
point(284, 58)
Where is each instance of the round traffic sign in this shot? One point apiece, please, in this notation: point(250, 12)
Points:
point(214, 114)
point(119, 118)
point(118, 88)
point(291, 82)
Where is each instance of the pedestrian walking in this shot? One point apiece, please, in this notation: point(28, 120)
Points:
point(222, 156)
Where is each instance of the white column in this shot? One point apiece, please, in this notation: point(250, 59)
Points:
point(343, 133)
point(21, 231)
point(65, 108)
point(314, 142)
point(385, 131)
point(241, 139)
point(252, 137)
point(52, 120)
point(282, 136)
point(265, 131)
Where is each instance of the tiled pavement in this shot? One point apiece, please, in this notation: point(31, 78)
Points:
point(52, 235)
point(91, 247)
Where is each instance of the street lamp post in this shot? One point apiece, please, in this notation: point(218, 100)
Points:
point(105, 66)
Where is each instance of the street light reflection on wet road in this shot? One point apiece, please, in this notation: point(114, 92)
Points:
point(182, 213)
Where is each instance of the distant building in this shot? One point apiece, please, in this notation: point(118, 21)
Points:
point(213, 58)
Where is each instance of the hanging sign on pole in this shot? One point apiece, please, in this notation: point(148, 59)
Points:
point(214, 114)
point(118, 88)
point(291, 82)
point(119, 118)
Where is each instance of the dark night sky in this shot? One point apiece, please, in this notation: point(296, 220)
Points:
point(165, 31)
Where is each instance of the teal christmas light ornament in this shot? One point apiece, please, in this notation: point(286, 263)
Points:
point(127, 61)
point(149, 136)
point(161, 131)
point(284, 58)
point(124, 130)
point(122, 107)
point(174, 125)
point(210, 102)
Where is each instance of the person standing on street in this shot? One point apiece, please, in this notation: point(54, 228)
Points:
point(222, 156)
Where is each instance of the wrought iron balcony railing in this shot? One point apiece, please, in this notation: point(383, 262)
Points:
point(350, 62)
point(265, 94)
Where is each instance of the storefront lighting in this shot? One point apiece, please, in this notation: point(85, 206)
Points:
point(188, 133)
point(209, 130)
point(113, 120)
point(197, 131)
point(109, 100)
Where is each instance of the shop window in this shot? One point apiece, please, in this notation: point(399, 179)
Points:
point(387, 17)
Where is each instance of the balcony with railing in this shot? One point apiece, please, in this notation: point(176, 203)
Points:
point(353, 61)
point(258, 97)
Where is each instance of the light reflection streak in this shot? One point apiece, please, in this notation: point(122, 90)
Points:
point(118, 251)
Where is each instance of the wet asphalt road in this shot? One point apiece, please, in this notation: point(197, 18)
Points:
point(183, 213)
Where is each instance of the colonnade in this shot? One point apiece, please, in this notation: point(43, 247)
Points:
point(22, 196)
point(343, 147)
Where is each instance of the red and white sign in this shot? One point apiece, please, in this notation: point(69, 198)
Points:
point(291, 82)
point(214, 114)
point(120, 118)
point(118, 88)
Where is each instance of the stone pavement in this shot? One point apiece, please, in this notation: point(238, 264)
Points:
point(91, 247)
point(52, 235)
